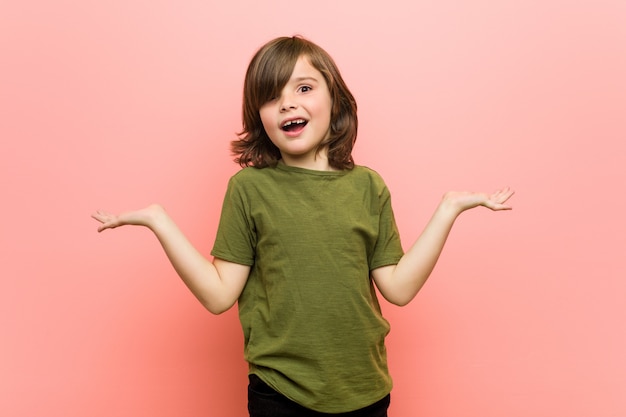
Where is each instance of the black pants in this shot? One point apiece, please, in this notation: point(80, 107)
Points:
point(263, 401)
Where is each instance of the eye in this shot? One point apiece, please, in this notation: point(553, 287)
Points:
point(305, 88)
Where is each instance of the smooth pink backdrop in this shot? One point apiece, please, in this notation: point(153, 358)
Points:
point(123, 103)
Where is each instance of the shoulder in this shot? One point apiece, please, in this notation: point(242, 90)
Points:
point(368, 174)
point(364, 170)
point(246, 173)
point(249, 176)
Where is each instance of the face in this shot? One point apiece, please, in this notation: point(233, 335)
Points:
point(298, 120)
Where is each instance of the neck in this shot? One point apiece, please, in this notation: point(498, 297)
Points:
point(317, 163)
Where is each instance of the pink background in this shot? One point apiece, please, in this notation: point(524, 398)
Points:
point(119, 104)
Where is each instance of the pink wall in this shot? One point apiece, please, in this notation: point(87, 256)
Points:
point(122, 103)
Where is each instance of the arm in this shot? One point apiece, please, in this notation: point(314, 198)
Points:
point(400, 283)
point(217, 285)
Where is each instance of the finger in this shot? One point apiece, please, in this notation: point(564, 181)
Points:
point(107, 225)
point(502, 191)
point(97, 216)
point(100, 214)
point(499, 207)
point(502, 195)
point(507, 194)
point(107, 220)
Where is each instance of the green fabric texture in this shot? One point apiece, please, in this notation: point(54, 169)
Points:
point(312, 324)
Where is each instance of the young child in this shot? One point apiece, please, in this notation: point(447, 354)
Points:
point(304, 237)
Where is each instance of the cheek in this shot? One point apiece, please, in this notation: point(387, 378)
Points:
point(330, 112)
point(266, 120)
point(330, 106)
point(269, 124)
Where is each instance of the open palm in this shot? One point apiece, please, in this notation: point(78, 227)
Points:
point(465, 200)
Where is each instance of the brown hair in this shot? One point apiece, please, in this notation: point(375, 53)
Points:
point(268, 73)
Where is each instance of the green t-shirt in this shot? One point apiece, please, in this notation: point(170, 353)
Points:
point(312, 324)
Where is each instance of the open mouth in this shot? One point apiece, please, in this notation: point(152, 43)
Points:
point(293, 125)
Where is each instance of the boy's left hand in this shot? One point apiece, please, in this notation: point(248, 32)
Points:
point(464, 200)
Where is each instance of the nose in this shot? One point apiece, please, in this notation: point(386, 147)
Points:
point(287, 103)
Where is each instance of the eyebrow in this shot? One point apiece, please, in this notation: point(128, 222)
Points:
point(305, 78)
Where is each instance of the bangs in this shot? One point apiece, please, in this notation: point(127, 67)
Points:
point(272, 71)
point(271, 79)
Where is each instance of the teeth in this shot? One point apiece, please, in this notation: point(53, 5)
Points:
point(290, 122)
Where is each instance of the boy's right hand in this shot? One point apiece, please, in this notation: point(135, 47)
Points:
point(142, 217)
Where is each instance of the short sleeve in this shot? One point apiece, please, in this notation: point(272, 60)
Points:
point(388, 249)
point(236, 235)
